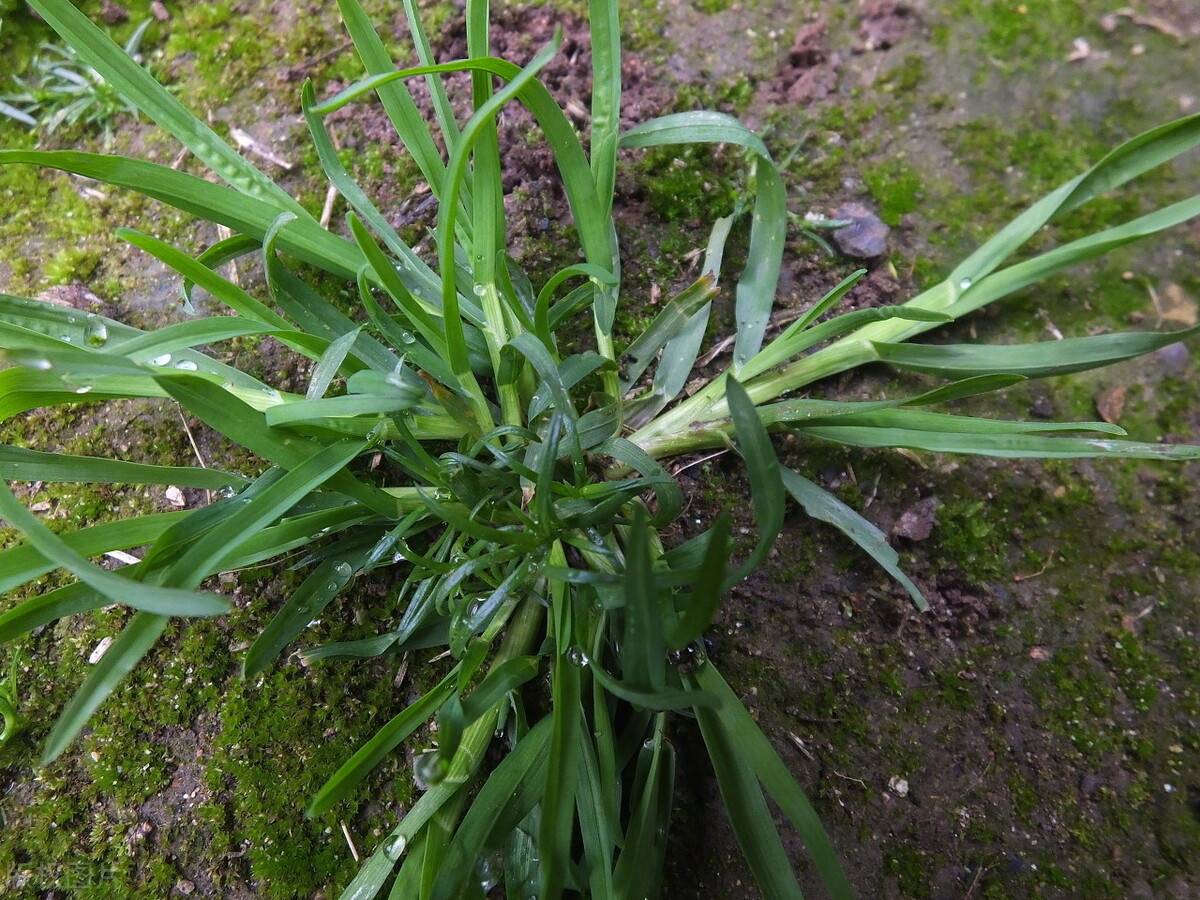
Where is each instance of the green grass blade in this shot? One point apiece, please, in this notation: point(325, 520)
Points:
point(562, 768)
point(1007, 446)
point(152, 598)
point(414, 272)
point(794, 342)
point(737, 734)
point(306, 239)
point(1140, 154)
point(441, 102)
point(639, 868)
point(49, 607)
point(1029, 360)
point(25, 562)
point(491, 693)
point(596, 826)
point(303, 606)
point(264, 508)
point(216, 255)
point(397, 101)
point(766, 486)
point(670, 321)
point(226, 291)
point(138, 86)
point(19, 464)
point(190, 333)
point(543, 321)
point(759, 280)
point(824, 506)
point(349, 405)
point(826, 303)
point(374, 751)
point(329, 364)
point(666, 489)
point(134, 642)
point(605, 28)
point(679, 356)
point(643, 650)
point(706, 588)
point(430, 328)
point(241, 423)
point(659, 700)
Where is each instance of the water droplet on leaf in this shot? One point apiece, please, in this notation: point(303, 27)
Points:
point(96, 332)
point(428, 769)
point(395, 847)
point(577, 657)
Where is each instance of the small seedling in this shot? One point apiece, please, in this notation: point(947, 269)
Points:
point(60, 89)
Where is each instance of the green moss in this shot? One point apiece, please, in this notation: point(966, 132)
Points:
point(909, 866)
point(969, 535)
point(1025, 34)
point(896, 187)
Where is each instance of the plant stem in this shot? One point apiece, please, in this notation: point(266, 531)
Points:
point(701, 422)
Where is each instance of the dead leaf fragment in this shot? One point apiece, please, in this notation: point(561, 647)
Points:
point(1154, 23)
point(1111, 403)
point(1039, 654)
point(1175, 307)
point(100, 649)
point(175, 496)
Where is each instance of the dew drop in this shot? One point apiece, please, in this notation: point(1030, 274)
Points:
point(96, 332)
point(42, 364)
point(488, 869)
point(84, 389)
point(186, 365)
point(577, 657)
point(342, 570)
point(479, 290)
point(428, 769)
point(161, 360)
point(395, 847)
point(67, 338)
point(964, 284)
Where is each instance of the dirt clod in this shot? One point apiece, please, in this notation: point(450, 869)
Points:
point(885, 23)
point(113, 13)
point(916, 523)
point(810, 71)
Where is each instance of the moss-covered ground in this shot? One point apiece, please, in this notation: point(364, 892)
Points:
point(1043, 716)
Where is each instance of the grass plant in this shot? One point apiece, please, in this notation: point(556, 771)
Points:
point(518, 485)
